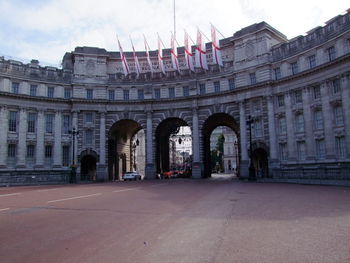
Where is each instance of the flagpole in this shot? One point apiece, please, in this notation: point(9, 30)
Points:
point(174, 21)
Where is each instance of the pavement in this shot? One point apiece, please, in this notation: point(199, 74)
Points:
point(178, 220)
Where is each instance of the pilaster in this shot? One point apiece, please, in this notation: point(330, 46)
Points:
point(150, 172)
point(40, 137)
point(3, 135)
point(22, 136)
point(57, 148)
point(196, 165)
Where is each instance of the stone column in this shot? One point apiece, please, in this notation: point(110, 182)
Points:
point(22, 138)
point(150, 172)
point(102, 167)
point(244, 162)
point(75, 125)
point(327, 111)
point(57, 148)
point(308, 125)
point(40, 137)
point(272, 136)
point(346, 109)
point(290, 128)
point(3, 136)
point(196, 165)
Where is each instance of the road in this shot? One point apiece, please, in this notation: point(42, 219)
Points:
point(175, 221)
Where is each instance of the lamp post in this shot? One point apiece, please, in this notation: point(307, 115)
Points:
point(236, 153)
point(251, 165)
point(72, 178)
point(135, 144)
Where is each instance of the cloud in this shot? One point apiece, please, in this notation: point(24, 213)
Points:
point(47, 29)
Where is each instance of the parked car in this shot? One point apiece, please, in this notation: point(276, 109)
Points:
point(132, 176)
point(169, 174)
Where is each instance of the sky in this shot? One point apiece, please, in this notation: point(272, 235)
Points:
point(46, 29)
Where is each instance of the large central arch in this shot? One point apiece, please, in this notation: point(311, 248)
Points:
point(212, 122)
point(164, 130)
point(121, 148)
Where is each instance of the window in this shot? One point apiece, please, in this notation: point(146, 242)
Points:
point(13, 121)
point(126, 94)
point(49, 123)
point(202, 89)
point(301, 149)
point(50, 92)
point(88, 137)
point(277, 72)
point(336, 86)
point(33, 90)
point(31, 121)
point(231, 84)
point(89, 94)
point(298, 96)
point(312, 61)
point(157, 93)
point(171, 92)
point(283, 151)
point(48, 151)
point(186, 91)
point(88, 117)
point(67, 93)
point(252, 78)
point(11, 150)
point(111, 95)
point(338, 116)
point(331, 53)
point(282, 128)
point(30, 151)
point(318, 120)
point(217, 86)
point(66, 124)
point(317, 92)
point(280, 100)
point(15, 87)
point(340, 145)
point(320, 149)
point(294, 68)
point(258, 129)
point(65, 155)
point(299, 123)
point(140, 94)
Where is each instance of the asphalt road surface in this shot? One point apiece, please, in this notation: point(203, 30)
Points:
point(175, 221)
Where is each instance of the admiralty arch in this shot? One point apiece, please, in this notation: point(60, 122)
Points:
point(286, 100)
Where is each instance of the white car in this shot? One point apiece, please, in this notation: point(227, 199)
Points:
point(132, 176)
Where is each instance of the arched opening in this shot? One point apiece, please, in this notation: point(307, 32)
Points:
point(260, 162)
point(221, 147)
point(174, 147)
point(88, 168)
point(126, 149)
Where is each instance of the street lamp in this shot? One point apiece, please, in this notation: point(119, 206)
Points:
point(251, 165)
point(135, 144)
point(74, 133)
point(236, 151)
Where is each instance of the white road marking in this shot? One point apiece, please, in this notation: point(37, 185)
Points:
point(155, 185)
point(45, 190)
point(128, 189)
point(10, 194)
point(71, 198)
point(4, 209)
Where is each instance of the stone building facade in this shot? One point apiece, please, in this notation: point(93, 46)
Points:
point(286, 100)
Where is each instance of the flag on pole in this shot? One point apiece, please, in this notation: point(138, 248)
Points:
point(147, 54)
point(188, 54)
point(217, 58)
point(124, 62)
point(136, 60)
point(174, 57)
point(201, 57)
point(160, 56)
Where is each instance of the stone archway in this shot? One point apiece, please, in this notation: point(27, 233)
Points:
point(121, 148)
point(88, 159)
point(212, 122)
point(260, 159)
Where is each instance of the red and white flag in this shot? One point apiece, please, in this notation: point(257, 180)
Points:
point(160, 56)
point(188, 54)
point(174, 57)
point(136, 60)
point(217, 58)
point(124, 62)
point(201, 55)
point(147, 54)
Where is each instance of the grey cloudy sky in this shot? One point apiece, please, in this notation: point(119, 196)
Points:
point(46, 29)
